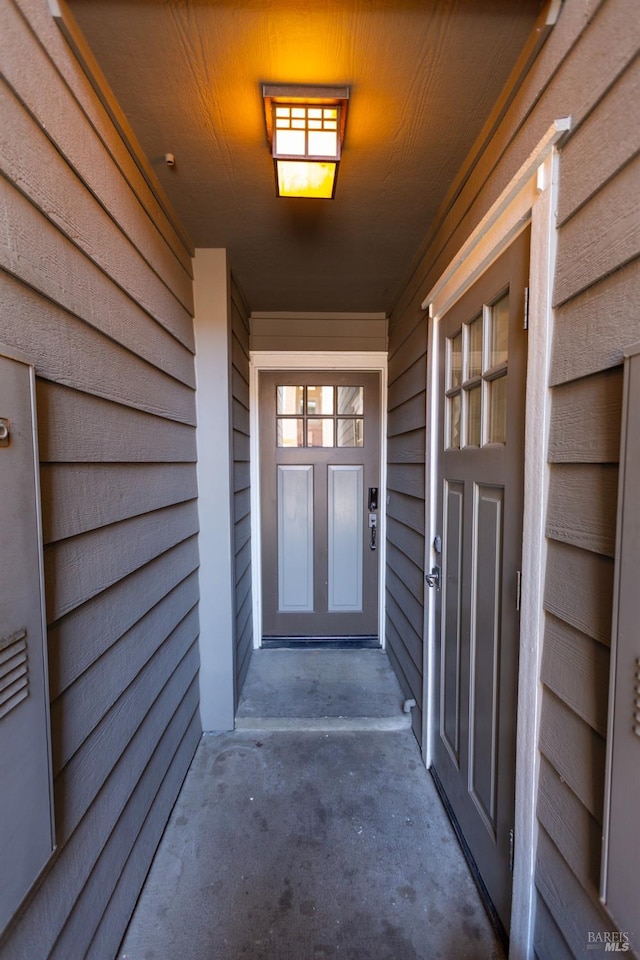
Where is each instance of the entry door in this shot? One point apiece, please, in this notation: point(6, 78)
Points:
point(482, 364)
point(319, 479)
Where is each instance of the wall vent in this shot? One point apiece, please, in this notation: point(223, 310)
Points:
point(14, 671)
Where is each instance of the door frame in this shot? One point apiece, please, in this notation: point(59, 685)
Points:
point(531, 196)
point(267, 360)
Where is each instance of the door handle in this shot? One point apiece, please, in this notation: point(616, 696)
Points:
point(373, 526)
point(433, 578)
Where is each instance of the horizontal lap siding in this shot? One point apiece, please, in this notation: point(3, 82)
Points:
point(241, 487)
point(406, 418)
point(597, 300)
point(96, 289)
point(320, 332)
point(587, 69)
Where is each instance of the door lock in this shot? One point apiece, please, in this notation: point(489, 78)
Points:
point(433, 578)
point(373, 526)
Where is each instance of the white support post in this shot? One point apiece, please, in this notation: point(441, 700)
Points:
point(217, 629)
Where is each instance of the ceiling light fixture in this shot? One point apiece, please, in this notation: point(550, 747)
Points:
point(305, 128)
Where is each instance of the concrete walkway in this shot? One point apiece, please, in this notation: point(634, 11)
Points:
point(313, 844)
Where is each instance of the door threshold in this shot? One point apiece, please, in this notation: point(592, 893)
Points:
point(334, 643)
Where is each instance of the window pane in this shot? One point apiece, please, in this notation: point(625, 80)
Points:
point(290, 432)
point(319, 433)
point(474, 348)
point(290, 142)
point(350, 433)
point(474, 410)
point(498, 411)
point(290, 400)
point(323, 143)
point(455, 361)
point(351, 400)
point(453, 419)
point(320, 401)
point(499, 332)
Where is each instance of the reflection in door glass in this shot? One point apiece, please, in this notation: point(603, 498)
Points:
point(290, 432)
point(474, 411)
point(350, 433)
point(350, 401)
point(319, 401)
point(290, 400)
point(453, 422)
point(318, 423)
point(499, 332)
point(319, 433)
point(455, 361)
point(498, 411)
point(474, 348)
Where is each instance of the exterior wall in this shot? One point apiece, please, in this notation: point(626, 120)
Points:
point(406, 502)
point(96, 292)
point(243, 616)
point(318, 331)
point(588, 69)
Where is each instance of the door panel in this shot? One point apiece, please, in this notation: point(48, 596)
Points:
point(295, 538)
point(345, 534)
point(450, 685)
point(485, 650)
point(319, 455)
point(482, 364)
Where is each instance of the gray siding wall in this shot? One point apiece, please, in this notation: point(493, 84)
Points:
point(406, 502)
point(96, 292)
point(241, 486)
point(320, 331)
point(589, 70)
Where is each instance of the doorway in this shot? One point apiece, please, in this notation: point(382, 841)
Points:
point(320, 480)
point(482, 380)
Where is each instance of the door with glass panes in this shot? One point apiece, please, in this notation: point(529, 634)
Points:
point(483, 351)
point(319, 491)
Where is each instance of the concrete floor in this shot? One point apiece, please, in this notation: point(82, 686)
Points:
point(311, 844)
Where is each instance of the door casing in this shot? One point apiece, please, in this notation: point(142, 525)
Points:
point(530, 195)
point(375, 362)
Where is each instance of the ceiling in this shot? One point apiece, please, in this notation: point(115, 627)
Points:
point(423, 74)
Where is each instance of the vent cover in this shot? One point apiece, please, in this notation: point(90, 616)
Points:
point(14, 671)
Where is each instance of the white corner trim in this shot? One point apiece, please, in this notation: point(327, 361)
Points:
point(531, 196)
point(214, 468)
point(504, 220)
point(534, 557)
point(262, 360)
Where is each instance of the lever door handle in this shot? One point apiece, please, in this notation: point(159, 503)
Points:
point(433, 578)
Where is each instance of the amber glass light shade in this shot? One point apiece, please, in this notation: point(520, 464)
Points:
point(306, 178)
point(305, 127)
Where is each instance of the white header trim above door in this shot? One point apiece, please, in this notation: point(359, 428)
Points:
point(531, 195)
point(262, 360)
point(506, 218)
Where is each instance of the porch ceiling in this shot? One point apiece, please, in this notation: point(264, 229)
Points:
point(424, 75)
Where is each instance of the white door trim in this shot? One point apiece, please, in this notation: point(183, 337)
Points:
point(531, 195)
point(311, 360)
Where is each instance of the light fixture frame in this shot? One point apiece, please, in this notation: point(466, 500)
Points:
point(311, 96)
